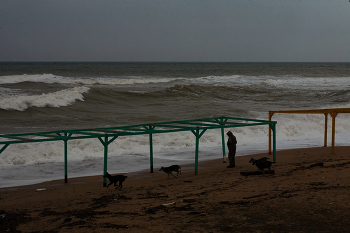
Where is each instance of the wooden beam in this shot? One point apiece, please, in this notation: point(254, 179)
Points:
point(315, 111)
point(332, 111)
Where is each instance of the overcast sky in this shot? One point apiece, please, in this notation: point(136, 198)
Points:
point(175, 30)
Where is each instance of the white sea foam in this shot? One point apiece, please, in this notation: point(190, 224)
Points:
point(293, 127)
point(309, 83)
point(238, 80)
point(45, 78)
point(50, 78)
point(282, 82)
point(55, 99)
point(217, 79)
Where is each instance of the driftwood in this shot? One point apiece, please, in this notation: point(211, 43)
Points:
point(260, 195)
point(149, 197)
point(257, 173)
point(317, 164)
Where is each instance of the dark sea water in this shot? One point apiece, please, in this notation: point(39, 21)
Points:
point(36, 97)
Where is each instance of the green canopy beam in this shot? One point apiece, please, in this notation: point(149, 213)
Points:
point(196, 126)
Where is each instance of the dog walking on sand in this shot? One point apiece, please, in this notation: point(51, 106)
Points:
point(261, 163)
point(115, 179)
point(171, 169)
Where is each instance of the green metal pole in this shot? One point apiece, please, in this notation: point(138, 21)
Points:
point(274, 142)
point(65, 159)
point(105, 144)
point(4, 148)
point(151, 152)
point(223, 144)
point(196, 155)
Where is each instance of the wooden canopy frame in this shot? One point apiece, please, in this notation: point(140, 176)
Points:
point(333, 112)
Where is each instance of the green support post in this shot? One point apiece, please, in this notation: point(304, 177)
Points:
point(105, 157)
point(196, 153)
point(65, 140)
point(222, 123)
point(198, 136)
point(151, 152)
point(150, 128)
point(223, 144)
point(65, 159)
point(4, 148)
point(105, 144)
point(273, 127)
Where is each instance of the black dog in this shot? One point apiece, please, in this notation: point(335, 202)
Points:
point(171, 169)
point(261, 163)
point(115, 179)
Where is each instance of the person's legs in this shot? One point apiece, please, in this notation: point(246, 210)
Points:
point(231, 158)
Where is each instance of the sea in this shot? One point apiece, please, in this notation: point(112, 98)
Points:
point(50, 96)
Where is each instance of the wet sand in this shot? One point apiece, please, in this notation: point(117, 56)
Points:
point(308, 192)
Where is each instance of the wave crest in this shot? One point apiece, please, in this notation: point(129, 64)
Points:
point(56, 99)
point(50, 78)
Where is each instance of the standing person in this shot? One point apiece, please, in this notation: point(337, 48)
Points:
point(231, 144)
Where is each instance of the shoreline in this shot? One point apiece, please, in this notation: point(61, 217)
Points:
point(297, 198)
point(145, 173)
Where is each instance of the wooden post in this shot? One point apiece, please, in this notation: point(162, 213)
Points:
point(333, 115)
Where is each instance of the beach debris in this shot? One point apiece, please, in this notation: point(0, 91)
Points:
point(148, 197)
point(317, 164)
point(259, 195)
point(240, 202)
point(169, 204)
point(67, 220)
point(189, 200)
point(257, 173)
point(122, 197)
point(43, 189)
point(153, 210)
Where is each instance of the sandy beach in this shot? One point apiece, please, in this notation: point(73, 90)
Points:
point(308, 192)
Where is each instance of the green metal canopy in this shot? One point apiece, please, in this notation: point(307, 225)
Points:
point(108, 135)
